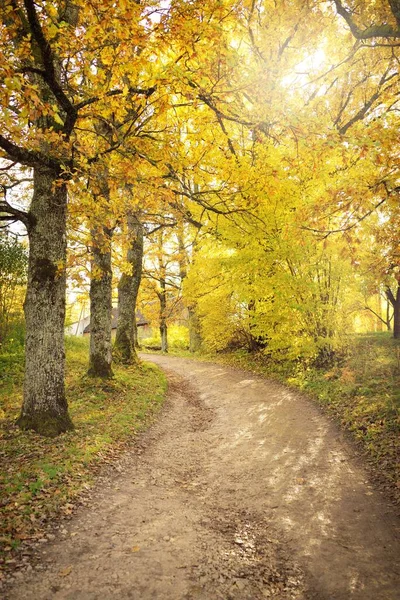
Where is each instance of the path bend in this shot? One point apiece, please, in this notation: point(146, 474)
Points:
point(243, 490)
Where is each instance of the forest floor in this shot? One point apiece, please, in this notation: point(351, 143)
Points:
point(242, 489)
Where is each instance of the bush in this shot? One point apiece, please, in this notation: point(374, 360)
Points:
point(178, 338)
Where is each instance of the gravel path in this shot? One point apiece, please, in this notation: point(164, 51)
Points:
point(242, 490)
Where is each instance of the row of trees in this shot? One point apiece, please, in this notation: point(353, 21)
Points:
point(264, 136)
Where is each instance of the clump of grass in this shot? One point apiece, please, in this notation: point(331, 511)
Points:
point(41, 477)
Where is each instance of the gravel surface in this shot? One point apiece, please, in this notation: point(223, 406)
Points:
point(242, 490)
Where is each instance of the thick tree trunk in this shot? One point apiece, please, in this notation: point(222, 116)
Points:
point(126, 338)
point(195, 340)
point(100, 356)
point(45, 407)
point(395, 302)
point(396, 317)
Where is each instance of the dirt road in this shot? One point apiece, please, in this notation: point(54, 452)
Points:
point(243, 490)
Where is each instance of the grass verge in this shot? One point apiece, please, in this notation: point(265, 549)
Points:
point(39, 477)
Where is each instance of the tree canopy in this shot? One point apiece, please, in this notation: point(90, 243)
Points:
point(259, 136)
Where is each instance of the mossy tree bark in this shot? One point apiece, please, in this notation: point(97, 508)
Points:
point(45, 406)
point(100, 354)
point(126, 340)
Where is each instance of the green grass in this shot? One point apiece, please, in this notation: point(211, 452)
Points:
point(42, 477)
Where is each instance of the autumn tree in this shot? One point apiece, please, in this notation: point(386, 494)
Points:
point(50, 92)
point(377, 29)
point(33, 102)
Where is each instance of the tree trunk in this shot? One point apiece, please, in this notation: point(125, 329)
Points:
point(126, 339)
point(136, 344)
point(396, 317)
point(163, 320)
point(164, 335)
point(100, 356)
point(389, 328)
point(379, 320)
point(395, 302)
point(254, 343)
point(195, 340)
point(45, 406)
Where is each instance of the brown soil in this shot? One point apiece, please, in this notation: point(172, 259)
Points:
point(243, 490)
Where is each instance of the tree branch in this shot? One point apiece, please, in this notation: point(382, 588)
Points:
point(12, 214)
point(383, 31)
point(363, 111)
point(390, 296)
point(328, 232)
point(138, 91)
point(161, 226)
point(49, 72)
point(27, 157)
point(366, 307)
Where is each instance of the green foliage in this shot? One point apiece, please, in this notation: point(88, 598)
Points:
point(178, 338)
point(278, 289)
point(154, 341)
point(40, 477)
point(12, 363)
point(13, 270)
point(13, 261)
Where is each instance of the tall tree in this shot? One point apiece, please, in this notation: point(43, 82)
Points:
point(100, 355)
point(126, 340)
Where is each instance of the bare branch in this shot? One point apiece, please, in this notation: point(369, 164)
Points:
point(161, 226)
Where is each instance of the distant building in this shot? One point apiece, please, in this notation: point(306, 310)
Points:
point(78, 327)
point(82, 327)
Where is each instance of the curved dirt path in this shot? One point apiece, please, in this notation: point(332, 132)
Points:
point(242, 490)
